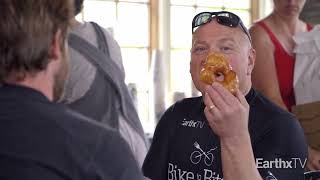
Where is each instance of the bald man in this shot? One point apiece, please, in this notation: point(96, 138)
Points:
point(221, 135)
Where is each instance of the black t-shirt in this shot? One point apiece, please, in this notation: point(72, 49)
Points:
point(184, 146)
point(40, 140)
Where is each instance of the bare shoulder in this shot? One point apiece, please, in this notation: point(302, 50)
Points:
point(260, 38)
point(259, 34)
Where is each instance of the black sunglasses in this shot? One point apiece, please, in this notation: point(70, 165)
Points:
point(223, 17)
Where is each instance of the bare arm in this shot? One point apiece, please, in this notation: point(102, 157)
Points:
point(264, 75)
point(313, 159)
point(238, 160)
point(228, 117)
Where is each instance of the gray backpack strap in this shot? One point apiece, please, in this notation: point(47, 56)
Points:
point(112, 73)
point(102, 40)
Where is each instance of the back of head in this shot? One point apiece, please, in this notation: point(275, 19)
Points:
point(77, 6)
point(27, 30)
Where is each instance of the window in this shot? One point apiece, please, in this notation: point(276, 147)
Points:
point(129, 22)
point(266, 8)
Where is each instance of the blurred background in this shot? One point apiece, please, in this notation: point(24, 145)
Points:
point(155, 40)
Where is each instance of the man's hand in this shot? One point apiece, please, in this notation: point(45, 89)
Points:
point(228, 117)
point(313, 159)
point(227, 114)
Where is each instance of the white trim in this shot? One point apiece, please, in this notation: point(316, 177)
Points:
point(164, 43)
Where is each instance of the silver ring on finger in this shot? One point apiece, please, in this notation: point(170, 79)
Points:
point(212, 107)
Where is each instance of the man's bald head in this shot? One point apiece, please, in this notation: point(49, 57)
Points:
point(246, 42)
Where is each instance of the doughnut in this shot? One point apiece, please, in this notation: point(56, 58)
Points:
point(217, 69)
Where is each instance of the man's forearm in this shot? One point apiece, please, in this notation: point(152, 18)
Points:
point(237, 159)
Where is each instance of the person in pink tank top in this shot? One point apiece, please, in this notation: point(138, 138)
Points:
point(272, 38)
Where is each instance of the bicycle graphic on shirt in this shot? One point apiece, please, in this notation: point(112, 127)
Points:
point(196, 156)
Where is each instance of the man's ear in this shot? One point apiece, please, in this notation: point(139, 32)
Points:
point(55, 46)
point(251, 60)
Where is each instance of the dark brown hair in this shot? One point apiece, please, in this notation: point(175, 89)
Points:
point(27, 30)
point(78, 4)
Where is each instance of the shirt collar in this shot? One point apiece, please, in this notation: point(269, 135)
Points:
point(22, 92)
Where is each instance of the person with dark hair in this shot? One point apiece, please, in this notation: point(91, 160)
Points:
point(225, 135)
point(96, 86)
point(78, 5)
point(40, 139)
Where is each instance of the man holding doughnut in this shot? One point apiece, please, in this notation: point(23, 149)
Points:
point(223, 135)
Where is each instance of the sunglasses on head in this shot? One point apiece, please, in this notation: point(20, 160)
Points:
point(222, 17)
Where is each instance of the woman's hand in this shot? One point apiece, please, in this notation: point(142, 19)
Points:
point(313, 159)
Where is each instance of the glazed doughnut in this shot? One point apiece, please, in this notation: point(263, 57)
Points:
point(217, 69)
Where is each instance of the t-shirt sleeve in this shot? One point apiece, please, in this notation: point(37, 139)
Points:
point(155, 164)
point(282, 151)
point(114, 160)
